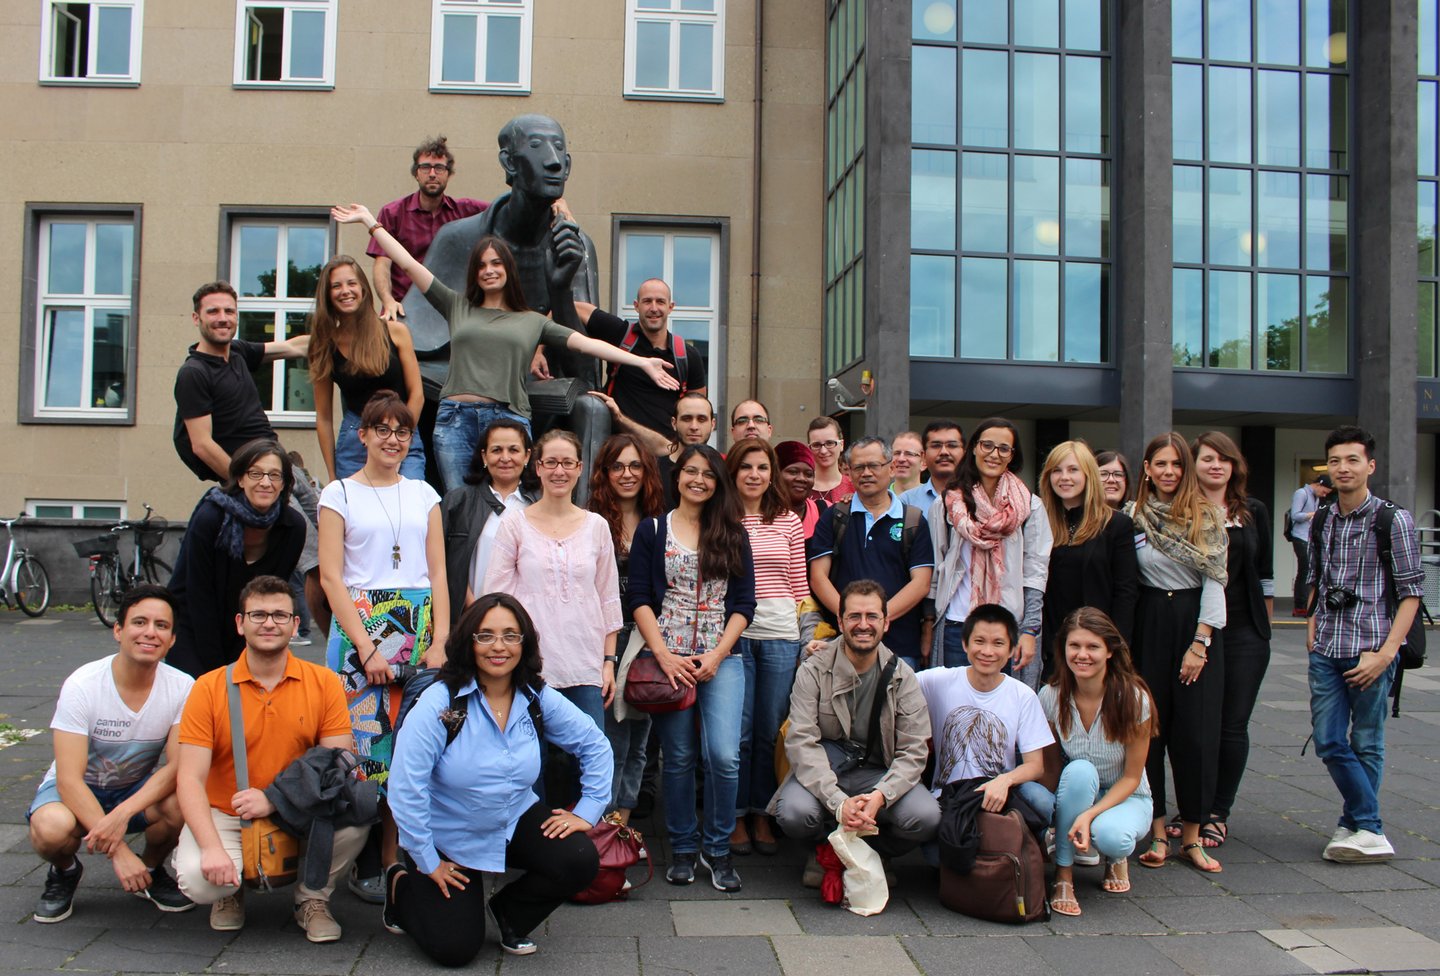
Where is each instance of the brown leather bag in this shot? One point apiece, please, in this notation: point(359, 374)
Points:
point(1007, 883)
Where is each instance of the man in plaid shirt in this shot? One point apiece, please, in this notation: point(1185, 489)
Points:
point(1354, 637)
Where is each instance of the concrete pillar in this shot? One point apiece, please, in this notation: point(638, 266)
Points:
point(1258, 446)
point(1143, 221)
point(1384, 171)
point(1050, 431)
point(887, 214)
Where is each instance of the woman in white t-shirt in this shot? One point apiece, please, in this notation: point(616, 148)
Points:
point(382, 564)
point(1101, 713)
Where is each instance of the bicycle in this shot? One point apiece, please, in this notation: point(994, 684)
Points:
point(23, 582)
point(109, 577)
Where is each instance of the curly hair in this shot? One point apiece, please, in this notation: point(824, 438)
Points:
point(603, 500)
point(460, 669)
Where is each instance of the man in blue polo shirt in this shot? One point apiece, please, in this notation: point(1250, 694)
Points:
point(880, 541)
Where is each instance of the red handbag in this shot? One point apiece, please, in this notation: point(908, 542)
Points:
point(619, 847)
point(648, 687)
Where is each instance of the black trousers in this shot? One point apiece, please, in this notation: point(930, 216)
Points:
point(1302, 567)
point(1189, 715)
point(1247, 656)
point(452, 930)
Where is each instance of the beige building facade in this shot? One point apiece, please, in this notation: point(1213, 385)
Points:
point(154, 145)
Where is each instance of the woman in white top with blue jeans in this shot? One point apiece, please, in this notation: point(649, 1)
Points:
point(1101, 713)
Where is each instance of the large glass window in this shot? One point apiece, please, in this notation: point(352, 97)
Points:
point(84, 315)
point(688, 260)
point(1428, 359)
point(1010, 180)
point(675, 49)
point(845, 186)
point(91, 43)
point(481, 45)
point(285, 43)
point(274, 263)
point(1261, 143)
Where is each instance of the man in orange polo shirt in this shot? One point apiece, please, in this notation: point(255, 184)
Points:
point(289, 706)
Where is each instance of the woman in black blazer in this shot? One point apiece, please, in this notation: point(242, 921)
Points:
point(1092, 561)
point(1249, 602)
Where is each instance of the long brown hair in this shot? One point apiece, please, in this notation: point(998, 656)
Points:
point(772, 503)
point(722, 535)
point(1095, 512)
point(1189, 507)
point(1124, 688)
point(1236, 488)
point(370, 345)
point(603, 500)
point(513, 295)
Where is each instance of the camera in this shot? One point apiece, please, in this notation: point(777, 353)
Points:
point(1340, 598)
point(403, 673)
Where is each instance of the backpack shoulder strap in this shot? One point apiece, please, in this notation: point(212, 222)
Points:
point(627, 342)
point(886, 674)
point(536, 713)
point(677, 348)
point(839, 524)
point(460, 705)
point(911, 523)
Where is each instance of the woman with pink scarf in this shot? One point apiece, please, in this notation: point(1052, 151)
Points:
point(992, 545)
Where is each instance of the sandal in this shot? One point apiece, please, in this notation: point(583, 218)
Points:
point(1157, 854)
point(1206, 864)
point(1117, 877)
point(1173, 828)
point(1214, 833)
point(1059, 897)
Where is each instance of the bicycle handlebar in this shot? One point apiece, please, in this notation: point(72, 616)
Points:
point(140, 525)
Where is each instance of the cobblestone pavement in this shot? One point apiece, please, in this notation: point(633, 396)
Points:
point(1276, 909)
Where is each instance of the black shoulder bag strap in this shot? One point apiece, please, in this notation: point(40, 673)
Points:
point(886, 674)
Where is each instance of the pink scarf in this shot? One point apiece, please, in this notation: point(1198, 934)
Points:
point(993, 523)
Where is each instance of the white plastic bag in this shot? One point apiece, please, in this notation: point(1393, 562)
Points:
point(866, 892)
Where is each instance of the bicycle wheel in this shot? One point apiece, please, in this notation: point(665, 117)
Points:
point(32, 586)
point(105, 590)
point(157, 571)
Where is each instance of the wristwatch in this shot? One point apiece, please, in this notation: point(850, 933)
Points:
point(611, 659)
point(1202, 639)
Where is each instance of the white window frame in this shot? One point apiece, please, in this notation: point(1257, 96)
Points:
point(280, 308)
point(88, 303)
point(712, 314)
point(482, 10)
point(331, 9)
point(674, 17)
point(77, 508)
point(49, 11)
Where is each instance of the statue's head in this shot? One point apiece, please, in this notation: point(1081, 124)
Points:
point(532, 152)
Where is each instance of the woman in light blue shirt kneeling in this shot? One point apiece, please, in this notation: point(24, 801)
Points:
point(465, 760)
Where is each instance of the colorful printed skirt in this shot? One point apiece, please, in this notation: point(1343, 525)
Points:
point(399, 622)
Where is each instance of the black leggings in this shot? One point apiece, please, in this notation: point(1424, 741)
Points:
point(452, 930)
point(1247, 655)
point(1189, 715)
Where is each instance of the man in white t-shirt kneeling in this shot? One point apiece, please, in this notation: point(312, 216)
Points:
point(981, 718)
point(114, 720)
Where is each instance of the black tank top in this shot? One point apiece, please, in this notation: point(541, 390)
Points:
point(356, 391)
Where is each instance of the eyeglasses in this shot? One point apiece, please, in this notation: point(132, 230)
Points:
point(857, 617)
point(824, 445)
point(402, 434)
point(486, 639)
point(620, 467)
point(869, 466)
point(912, 455)
point(1112, 475)
point(281, 617)
point(990, 447)
point(758, 419)
point(703, 473)
point(436, 167)
point(255, 476)
point(550, 464)
point(951, 446)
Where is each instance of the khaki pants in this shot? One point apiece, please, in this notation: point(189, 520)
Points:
point(348, 842)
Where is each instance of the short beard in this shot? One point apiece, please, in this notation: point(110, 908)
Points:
point(859, 650)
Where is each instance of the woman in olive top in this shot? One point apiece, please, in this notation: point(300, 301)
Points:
point(493, 336)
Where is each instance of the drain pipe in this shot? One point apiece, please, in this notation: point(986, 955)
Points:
point(756, 179)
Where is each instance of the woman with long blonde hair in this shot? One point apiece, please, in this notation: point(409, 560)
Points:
point(1092, 557)
point(362, 354)
point(1180, 545)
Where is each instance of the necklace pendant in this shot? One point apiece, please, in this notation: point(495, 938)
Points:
point(395, 557)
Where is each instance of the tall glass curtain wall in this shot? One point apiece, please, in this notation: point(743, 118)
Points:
point(1261, 184)
point(1011, 139)
point(1425, 138)
point(845, 185)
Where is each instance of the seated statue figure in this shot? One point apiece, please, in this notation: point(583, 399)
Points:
point(537, 164)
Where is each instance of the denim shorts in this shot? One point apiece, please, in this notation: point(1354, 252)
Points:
point(350, 454)
point(49, 792)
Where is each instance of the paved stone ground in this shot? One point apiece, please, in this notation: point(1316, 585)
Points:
point(1276, 909)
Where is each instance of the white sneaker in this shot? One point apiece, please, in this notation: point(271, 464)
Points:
point(1341, 835)
point(1363, 846)
point(1088, 858)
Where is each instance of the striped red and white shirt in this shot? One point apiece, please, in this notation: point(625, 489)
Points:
point(780, 575)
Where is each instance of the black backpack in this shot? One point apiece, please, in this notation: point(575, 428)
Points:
point(840, 524)
point(459, 704)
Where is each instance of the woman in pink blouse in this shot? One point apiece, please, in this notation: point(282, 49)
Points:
point(558, 560)
point(770, 646)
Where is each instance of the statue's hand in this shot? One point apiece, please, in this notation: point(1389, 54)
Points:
point(566, 255)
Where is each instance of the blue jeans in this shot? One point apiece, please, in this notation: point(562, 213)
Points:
point(459, 425)
point(1113, 833)
point(1349, 727)
point(350, 453)
point(627, 742)
point(769, 672)
point(720, 704)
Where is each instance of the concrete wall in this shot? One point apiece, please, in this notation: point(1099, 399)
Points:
point(187, 142)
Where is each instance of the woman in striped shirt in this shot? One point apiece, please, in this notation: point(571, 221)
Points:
point(770, 647)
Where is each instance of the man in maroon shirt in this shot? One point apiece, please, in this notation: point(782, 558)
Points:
point(413, 220)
